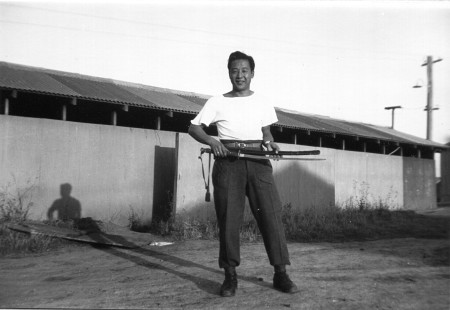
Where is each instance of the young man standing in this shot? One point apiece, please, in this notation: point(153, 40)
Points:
point(243, 120)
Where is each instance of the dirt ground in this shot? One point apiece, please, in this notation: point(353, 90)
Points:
point(385, 274)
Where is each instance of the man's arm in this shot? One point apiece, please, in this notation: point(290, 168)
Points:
point(198, 133)
point(267, 136)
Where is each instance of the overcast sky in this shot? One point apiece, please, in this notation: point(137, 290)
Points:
point(346, 60)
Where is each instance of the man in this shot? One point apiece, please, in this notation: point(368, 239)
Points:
point(243, 120)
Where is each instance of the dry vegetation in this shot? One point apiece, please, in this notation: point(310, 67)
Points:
point(357, 220)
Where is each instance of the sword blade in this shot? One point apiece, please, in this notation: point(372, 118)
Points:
point(274, 157)
point(270, 155)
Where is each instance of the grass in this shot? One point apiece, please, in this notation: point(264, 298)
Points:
point(20, 243)
point(325, 224)
point(356, 220)
point(15, 204)
point(335, 224)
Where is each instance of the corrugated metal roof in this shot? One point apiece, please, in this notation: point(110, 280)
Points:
point(162, 100)
point(54, 82)
point(45, 81)
point(29, 80)
point(406, 138)
point(324, 124)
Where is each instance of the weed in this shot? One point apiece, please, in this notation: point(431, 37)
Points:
point(15, 203)
point(20, 243)
point(361, 221)
point(136, 221)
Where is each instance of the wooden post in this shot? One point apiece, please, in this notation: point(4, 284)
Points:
point(64, 112)
point(1, 101)
point(6, 106)
point(295, 138)
point(364, 147)
point(114, 118)
point(429, 107)
point(343, 144)
point(158, 123)
point(320, 141)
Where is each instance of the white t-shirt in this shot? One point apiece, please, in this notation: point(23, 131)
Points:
point(237, 118)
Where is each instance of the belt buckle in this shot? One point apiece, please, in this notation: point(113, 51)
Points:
point(241, 145)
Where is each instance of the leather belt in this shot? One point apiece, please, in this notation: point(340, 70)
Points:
point(242, 144)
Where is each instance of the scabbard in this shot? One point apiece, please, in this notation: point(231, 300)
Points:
point(256, 154)
point(270, 153)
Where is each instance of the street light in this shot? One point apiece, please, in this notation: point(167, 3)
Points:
point(393, 109)
point(419, 84)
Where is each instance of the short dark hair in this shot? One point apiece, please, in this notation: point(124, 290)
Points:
point(239, 55)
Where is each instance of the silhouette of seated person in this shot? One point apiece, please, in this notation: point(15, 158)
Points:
point(67, 207)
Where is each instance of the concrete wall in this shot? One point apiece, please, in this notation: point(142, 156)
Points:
point(305, 183)
point(370, 177)
point(301, 183)
point(419, 184)
point(190, 192)
point(109, 168)
point(112, 169)
point(343, 177)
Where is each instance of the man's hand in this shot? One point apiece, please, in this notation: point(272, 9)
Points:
point(271, 146)
point(267, 136)
point(218, 148)
point(199, 134)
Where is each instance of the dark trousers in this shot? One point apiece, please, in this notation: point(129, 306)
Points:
point(233, 180)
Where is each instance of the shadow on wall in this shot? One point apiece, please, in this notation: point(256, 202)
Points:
point(304, 185)
point(66, 207)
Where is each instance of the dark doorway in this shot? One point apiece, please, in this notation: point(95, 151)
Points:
point(163, 185)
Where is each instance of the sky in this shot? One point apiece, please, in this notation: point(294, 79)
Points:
point(342, 59)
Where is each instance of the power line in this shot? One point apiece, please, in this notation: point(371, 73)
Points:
point(108, 32)
point(208, 43)
point(234, 35)
point(163, 26)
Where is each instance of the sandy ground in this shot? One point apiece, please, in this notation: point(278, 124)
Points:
point(386, 274)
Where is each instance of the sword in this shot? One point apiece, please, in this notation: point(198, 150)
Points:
point(255, 154)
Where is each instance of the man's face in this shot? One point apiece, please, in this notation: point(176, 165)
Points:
point(240, 75)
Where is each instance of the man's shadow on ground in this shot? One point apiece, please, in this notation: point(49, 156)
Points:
point(69, 208)
point(211, 287)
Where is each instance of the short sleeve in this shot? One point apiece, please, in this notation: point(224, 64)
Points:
point(207, 114)
point(269, 116)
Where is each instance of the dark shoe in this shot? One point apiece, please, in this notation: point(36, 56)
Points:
point(229, 286)
point(282, 283)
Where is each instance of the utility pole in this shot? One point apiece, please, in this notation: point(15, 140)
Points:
point(429, 108)
point(393, 109)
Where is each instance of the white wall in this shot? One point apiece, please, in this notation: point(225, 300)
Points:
point(110, 168)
